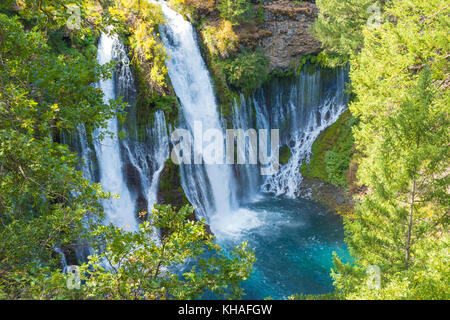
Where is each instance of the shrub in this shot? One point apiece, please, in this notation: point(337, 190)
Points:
point(336, 166)
point(236, 11)
point(248, 71)
point(221, 39)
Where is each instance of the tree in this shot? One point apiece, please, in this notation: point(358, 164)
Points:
point(44, 201)
point(340, 24)
point(46, 91)
point(402, 101)
point(137, 265)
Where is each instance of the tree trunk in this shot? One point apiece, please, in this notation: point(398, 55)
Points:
point(408, 235)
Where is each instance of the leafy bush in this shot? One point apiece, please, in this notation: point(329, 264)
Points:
point(236, 11)
point(336, 166)
point(221, 39)
point(248, 71)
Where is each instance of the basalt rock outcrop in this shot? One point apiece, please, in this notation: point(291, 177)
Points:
point(285, 35)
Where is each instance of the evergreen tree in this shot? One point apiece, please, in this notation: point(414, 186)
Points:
point(339, 26)
point(400, 81)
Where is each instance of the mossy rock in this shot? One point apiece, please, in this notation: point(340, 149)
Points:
point(336, 140)
point(170, 190)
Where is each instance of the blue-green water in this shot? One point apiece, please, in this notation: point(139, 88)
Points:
point(294, 241)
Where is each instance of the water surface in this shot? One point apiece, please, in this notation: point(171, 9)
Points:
point(294, 241)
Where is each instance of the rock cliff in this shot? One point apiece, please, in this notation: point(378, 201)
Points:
point(285, 35)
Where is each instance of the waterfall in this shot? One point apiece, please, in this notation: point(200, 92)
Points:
point(301, 108)
point(249, 174)
point(86, 154)
point(126, 167)
point(148, 159)
point(210, 188)
point(119, 211)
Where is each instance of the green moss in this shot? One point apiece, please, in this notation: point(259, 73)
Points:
point(141, 114)
point(332, 152)
point(306, 63)
point(170, 190)
point(285, 154)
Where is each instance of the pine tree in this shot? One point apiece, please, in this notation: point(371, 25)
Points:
point(339, 26)
point(402, 102)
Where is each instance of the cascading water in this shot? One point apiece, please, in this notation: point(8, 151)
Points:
point(126, 167)
point(148, 159)
point(210, 188)
point(294, 233)
point(293, 239)
point(119, 211)
point(301, 108)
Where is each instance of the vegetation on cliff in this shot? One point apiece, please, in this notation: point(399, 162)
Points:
point(46, 89)
point(138, 22)
point(235, 67)
point(332, 153)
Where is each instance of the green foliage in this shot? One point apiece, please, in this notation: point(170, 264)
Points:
point(339, 27)
point(285, 154)
point(318, 59)
point(221, 40)
point(236, 11)
point(216, 66)
point(402, 102)
point(336, 165)
point(133, 265)
point(140, 21)
point(332, 152)
point(248, 71)
point(44, 201)
point(141, 115)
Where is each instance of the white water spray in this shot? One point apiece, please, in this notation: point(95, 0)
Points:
point(208, 187)
point(119, 211)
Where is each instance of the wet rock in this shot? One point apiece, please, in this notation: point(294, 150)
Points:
point(337, 198)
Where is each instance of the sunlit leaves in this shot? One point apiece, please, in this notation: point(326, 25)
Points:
point(137, 265)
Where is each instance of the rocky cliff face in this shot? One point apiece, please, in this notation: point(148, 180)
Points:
point(285, 35)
